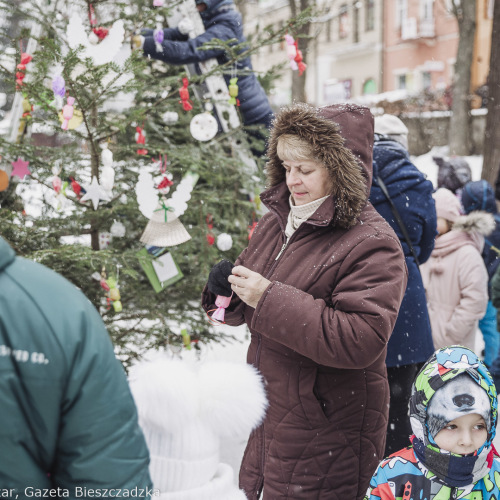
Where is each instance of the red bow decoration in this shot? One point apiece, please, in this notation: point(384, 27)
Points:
point(298, 59)
point(184, 94)
point(140, 138)
point(101, 33)
point(21, 69)
point(75, 186)
point(165, 183)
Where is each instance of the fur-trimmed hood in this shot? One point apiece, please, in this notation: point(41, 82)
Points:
point(342, 139)
point(475, 222)
point(466, 230)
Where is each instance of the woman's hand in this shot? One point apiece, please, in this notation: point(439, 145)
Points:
point(248, 285)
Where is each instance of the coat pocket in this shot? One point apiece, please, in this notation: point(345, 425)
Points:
point(311, 404)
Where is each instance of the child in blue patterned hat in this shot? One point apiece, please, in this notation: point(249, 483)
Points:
point(453, 414)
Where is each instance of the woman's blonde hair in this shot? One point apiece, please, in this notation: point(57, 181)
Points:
point(292, 147)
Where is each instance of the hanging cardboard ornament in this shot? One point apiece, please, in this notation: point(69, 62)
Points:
point(164, 229)
point(203, 127)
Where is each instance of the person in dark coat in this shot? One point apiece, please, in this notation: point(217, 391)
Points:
point(453, 173)
point(410, 344)
point(221, 21)
point(319, 286)
point(479, 195)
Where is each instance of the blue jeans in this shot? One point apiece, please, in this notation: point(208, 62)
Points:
point(488, 327)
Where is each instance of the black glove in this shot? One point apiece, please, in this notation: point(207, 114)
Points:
point(217, 279)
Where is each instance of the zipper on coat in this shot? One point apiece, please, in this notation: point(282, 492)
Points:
point(281, 251)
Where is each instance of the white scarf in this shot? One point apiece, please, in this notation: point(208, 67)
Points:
point(300, 213)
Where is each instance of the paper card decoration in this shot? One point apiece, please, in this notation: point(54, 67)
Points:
point(162, 271)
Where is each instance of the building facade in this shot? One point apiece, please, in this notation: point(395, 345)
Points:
point(363, 47)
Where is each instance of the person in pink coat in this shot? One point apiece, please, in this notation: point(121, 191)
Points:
point(455, 277)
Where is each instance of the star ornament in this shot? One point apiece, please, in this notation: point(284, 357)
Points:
point(95, 193)
point(20, 168)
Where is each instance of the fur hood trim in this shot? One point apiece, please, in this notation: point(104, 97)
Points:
point(479, 222)
point(342, 139)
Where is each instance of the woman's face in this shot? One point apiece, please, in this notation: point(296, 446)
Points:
point(307, 180)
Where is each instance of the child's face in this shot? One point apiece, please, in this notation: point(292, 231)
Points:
point(463, 435)
point(442, 226)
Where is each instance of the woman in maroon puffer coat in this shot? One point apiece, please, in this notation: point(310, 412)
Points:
point(319, 286)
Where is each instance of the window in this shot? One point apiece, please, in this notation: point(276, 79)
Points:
point(426, 10)
point(369, 15)
point(369, 87)
point(343, 21)
point(401, 82)
point(401, 12)
point(426, 80)
point(355, 21)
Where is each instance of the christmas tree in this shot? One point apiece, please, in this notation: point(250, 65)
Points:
point(115, 174)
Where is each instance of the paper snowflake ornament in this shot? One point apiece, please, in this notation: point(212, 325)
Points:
point(20, 168)
point(102, 52)
point(95, 193)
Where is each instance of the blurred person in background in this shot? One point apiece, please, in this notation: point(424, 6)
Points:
point(398, 186)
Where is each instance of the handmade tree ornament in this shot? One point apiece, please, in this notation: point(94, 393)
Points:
point(224, 242)
point(184, 95)
point(107, 176)
point(67, 112)
point(233, 91)
point(158, 37)
point(301, 66)
point(21, 69)
point(76, 187)
point(105, 238)
point(20, 168)
point(95, 193)
point(100, 53)
point(203, 126)
point(117, 229)
point(222, 303)
point(210, 226)
point(291, 51)
point(59, 89)
point(140, 138)
point(170, 117)
point(25, 117)
point(164, 229)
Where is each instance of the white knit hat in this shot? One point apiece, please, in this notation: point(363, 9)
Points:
point(184, 411)
point(393, 127)
point(447, 204)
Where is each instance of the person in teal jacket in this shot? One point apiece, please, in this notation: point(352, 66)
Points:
point(68, 423)
point(453, 413)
